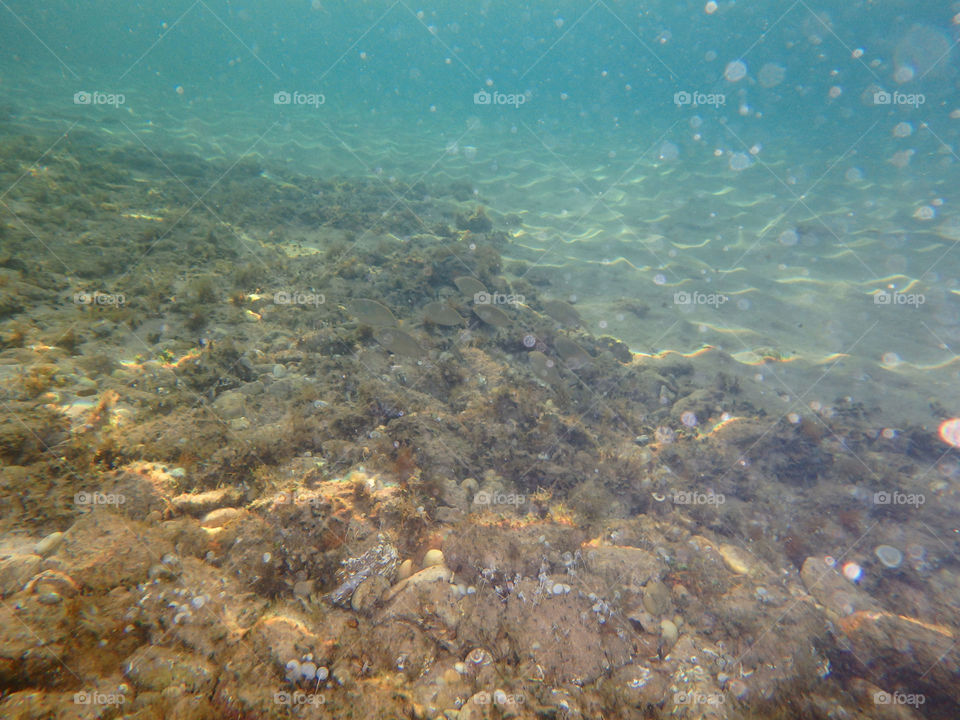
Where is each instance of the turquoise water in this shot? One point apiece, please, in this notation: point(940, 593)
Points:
point(822, 145)
point(757, 198)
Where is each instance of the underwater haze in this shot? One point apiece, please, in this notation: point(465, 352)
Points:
point(479, 360)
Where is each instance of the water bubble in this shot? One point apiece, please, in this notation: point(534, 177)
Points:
point(689, 419)
point(925, 212)
point(669, 151)
point(854, 175)
point(739, 161)
point(904, 73)
point(659, 279)
point(735, 71)
point(890, 359)
point(710, 8)
point(529, 341)
point(789, 238)
point(771, 75)
point(889, 555)
point(902, 130)
point(950, 432)
point(852, 572)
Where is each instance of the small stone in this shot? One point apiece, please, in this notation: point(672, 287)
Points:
point(668, 634)
point(369, 593)
point(656, 598)
point(735, 559)
point(219, 518)
point(49, 544)
point(433, 557)
point(49, 598)
point(230, 405)
point(303, 588)
point(86, 387)
point(405, 570)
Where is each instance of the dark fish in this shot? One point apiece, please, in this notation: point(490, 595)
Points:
point(469, 286)
point(398, 342)
point(491, 315)
point(372, 313)
point(564, 313)
point(441, 314)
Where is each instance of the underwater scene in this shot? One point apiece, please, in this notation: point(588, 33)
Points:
point(477, 360)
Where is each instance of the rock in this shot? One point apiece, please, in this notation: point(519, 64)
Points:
point(656, 598)
point(303, 588)
point(433, 574)
point(433, 557)
point(369, 593)
point(283, 638)
point(101, 552)
point(219, 518)
point(49, 544)
point(629, 567)
point(197, 504)
point(15, 571)
point(833, 590)
point(152, 667)
point(647, 622)
point(405, 570)
point(899, 646)
point(230, 404)
point(735, 558)
point(53, 581)
point(669, 634)
point(139, 488)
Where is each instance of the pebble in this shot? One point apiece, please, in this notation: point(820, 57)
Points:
point(668, 634)
point(219, 518)
point(405, 570)
point(656, 598)
point(433, 557)
point(735, 559)
point(49, 544)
